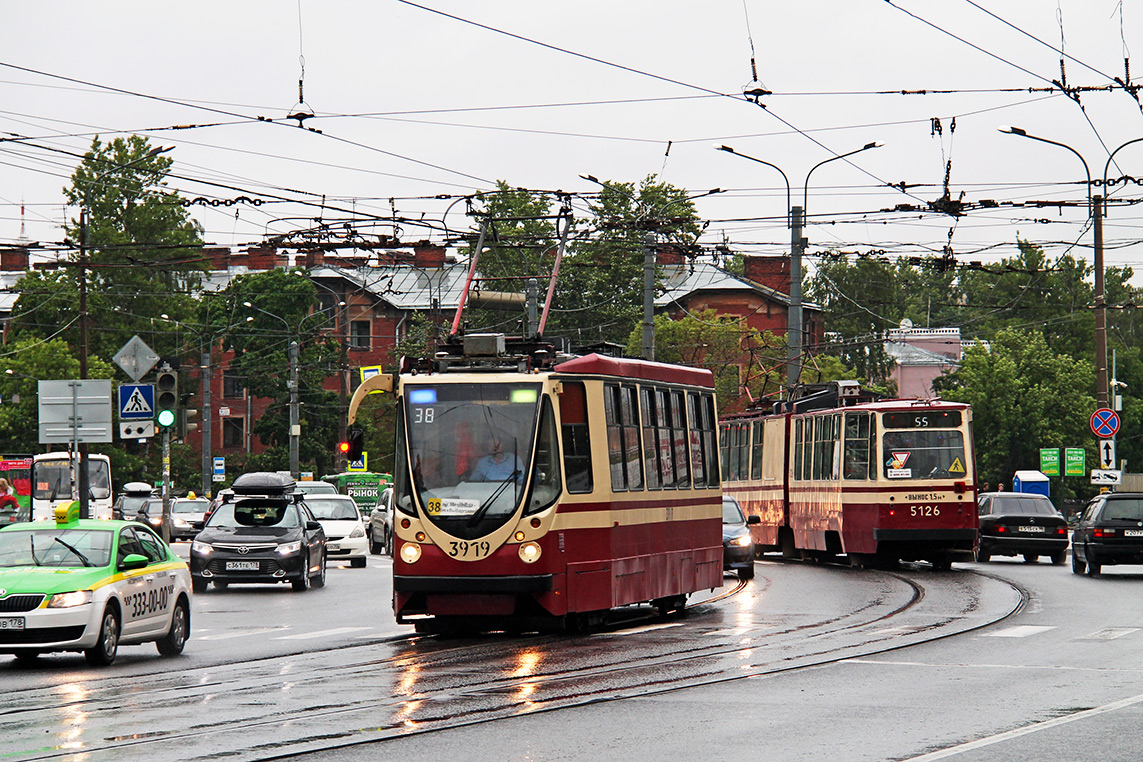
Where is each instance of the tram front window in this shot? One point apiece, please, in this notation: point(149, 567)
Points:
point(923, 454)
point(470, 446)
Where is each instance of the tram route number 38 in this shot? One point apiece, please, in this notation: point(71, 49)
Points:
point(924, 510)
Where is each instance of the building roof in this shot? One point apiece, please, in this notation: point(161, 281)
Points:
point(681, 281)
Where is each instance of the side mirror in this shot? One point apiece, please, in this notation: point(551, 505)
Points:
point(754, 519)
point(134, 561)
point(312, 526)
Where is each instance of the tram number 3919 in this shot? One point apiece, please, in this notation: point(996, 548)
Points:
point(924, 510)
point(476, 549)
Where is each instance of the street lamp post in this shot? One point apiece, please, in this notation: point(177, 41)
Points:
point(798, 243)
point(1095, 213)
point(295, 419)
point(342, 327)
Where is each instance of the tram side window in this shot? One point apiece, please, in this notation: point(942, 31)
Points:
point(825, 436)
point(756, 450)
point(723, 444)
point(857, 460)
point(546, 472)
point(623, 437)
point(704, 464)
point(740, 454)
point(679, 441)
point(574, 431)
point(651, 439)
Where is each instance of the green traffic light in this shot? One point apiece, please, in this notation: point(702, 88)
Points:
point(166, 417)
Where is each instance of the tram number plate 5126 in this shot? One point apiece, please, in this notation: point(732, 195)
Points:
point(476, 549)
point(924, 510)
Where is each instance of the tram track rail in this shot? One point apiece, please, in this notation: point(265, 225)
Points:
point(287, 706)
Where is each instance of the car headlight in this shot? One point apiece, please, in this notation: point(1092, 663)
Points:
point(357, 532)
point(68, 600)
point(202, 548)
point(741, 542)
point(290, 547)
point(181, 523)
point(156, 521)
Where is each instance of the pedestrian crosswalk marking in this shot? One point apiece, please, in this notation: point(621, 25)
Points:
point(322, 633)
point(1109, 633)
point(1021, 631)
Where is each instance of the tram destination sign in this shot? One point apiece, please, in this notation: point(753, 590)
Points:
point(927, 419)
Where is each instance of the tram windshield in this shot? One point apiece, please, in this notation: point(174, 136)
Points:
point(470, 446)
point(912, 454)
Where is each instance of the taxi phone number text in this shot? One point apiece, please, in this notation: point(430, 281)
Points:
point(149, 602)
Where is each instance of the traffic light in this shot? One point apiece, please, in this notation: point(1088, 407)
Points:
point(187, 422)
point(353, 448)
point(166, 398)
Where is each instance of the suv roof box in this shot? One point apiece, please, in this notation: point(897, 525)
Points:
point(263, 483)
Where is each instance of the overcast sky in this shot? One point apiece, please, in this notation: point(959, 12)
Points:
point(412, 104)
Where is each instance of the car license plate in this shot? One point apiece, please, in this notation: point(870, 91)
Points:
point(1031, 529)
point(332, 546)
point(1133, 532)
point(242, 566)
point(11, 622)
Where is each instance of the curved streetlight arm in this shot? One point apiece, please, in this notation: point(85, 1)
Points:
point(806, 186)
point(728, 149)
point(1024, 134)
point(1108, 164)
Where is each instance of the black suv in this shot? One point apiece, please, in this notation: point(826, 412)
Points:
point(264, 532)
point(1109, 532)
point(1021, 523)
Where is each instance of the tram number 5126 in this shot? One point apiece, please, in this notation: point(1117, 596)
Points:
point(924, 510)
point(475, 549)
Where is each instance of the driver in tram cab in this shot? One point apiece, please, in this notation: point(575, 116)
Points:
point(497, 466)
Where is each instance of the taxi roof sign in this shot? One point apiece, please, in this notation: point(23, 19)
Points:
point(67, 514)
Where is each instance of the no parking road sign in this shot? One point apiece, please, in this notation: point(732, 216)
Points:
point(1104, 422)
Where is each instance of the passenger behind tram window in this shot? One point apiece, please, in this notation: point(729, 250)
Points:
point(497, 466)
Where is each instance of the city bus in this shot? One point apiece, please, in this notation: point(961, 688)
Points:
point(52, 484)
point(364, 487)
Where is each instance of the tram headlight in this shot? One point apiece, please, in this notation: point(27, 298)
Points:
point(410, 552)
point(530, 552)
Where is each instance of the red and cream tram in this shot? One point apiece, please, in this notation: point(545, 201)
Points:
point(533, 491)
point(839, 471)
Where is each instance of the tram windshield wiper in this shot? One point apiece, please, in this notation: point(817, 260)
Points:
point(478, 514)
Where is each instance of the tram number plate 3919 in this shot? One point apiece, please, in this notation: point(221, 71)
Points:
point(475, 549)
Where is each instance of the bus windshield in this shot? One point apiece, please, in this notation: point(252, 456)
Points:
point(51, 479)
point(469, 446)
point(912, 454)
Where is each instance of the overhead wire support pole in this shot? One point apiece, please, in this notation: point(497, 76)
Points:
point(1095, 213)
point(468, 281)
point(555, 273)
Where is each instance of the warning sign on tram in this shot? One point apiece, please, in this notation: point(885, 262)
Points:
point(1104, 422)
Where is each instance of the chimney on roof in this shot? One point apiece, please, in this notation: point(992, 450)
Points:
point(264, 258)
point(218, 257)
point(772, 272)
point(428, 255)
point(14, 259)
point(314, 258)
point(670, 254)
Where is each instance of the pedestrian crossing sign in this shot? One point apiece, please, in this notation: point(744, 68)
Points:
point(136, 401)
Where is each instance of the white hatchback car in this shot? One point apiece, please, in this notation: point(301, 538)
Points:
point(344, 529)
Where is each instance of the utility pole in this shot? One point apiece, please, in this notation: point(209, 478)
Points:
point(84, 477)
point(295, 424)
point(531, 299)
point(207, 454)
point(1100, 305)
point(165, 528)
point(648, 295)
point(794, 318)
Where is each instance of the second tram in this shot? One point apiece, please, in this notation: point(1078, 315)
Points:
point(840, 471)
point(539, 492)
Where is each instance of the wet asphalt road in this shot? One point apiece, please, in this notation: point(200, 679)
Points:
point(272, 674)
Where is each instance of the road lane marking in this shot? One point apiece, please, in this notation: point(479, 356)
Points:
point(647, 628)
point(1021, 631)
point(242, 633)
point(322, 633)
point(1109, 633)
point(1035, 728)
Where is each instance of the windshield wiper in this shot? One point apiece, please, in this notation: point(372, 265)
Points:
point(32, 546)
point(478, 514)
point(80, 556)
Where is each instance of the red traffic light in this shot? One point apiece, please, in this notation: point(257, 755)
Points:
point(343, 447)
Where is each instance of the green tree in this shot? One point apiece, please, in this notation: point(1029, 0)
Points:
point(600, 294)
point(1024, 396)
point(144, 253)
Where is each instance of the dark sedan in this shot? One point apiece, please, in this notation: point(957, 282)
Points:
point(1020, 523)
point(1109, 532)
point(737, 545)
point(268, 537)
